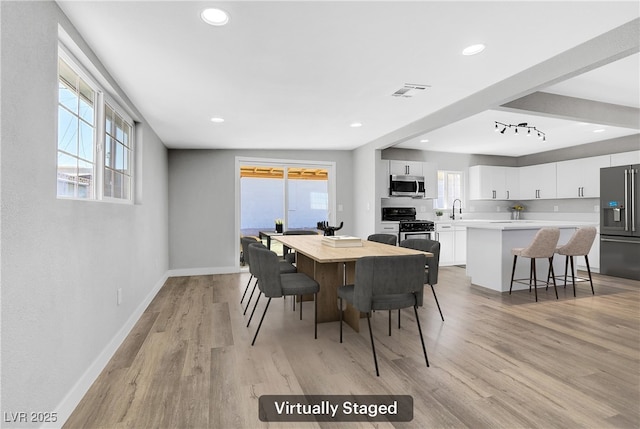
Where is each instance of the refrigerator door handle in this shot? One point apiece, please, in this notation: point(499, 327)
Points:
point(632, 173)
point(619, 240)
point(626, 200)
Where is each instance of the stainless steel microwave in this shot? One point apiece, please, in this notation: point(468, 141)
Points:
point(406, 186)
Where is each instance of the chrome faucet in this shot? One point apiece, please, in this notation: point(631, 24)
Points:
point(453, 208)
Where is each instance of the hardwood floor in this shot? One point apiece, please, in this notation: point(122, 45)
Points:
point(497, 361)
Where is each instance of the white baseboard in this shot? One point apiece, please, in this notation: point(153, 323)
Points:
point(202, 271)
point(77, 392)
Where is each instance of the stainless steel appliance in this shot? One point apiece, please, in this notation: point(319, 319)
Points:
point(416, 229)
point(408, 227)
point(619, 224)
point(406, 186)
point(396, 214)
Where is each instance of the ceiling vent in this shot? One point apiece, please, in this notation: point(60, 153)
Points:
point(409, 90)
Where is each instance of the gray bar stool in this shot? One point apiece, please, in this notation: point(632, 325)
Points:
point(543, 246)
point(578, 245)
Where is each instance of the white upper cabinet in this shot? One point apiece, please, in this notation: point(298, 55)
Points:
point(580, 178)
point(625, 158)
point(488, 182)
point(405, 168)
point(512, 183)
point(538, 181)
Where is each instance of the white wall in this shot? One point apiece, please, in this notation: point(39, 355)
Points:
point(62, 261)
point(367, 203)
point(202, 211)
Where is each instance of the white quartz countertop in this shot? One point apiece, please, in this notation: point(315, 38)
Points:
point(516, 224)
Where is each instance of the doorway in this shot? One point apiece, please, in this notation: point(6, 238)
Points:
point(294, 194)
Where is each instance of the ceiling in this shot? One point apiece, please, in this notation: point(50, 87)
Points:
point(296, 74)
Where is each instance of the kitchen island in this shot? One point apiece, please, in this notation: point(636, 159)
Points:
point(489, 244)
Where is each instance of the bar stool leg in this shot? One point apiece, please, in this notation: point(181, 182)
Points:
point(535, 278)
point(532, 264)
point(586, 258)
point(566, 266)
point(513, 271)
point(553, 275)
point(573, 277)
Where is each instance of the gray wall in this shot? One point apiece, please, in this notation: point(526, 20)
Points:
point(603, 147)
point(572, 209)
point(62, 261)
point(202, 210)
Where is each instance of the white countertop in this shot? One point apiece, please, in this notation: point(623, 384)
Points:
point(516, 224)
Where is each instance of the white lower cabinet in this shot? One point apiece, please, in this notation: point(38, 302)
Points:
point(388, 228)
point(453, 244)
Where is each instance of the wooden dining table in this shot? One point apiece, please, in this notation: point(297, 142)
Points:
point(333, 267)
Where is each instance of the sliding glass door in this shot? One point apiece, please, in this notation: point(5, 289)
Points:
point(307, 197)
point(299, 195)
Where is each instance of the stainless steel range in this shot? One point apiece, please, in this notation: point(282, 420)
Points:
point(409, 227)
point(416, 229)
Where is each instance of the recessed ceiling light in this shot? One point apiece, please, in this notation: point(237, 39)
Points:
point(599, 130)
point(473, 49)
point(214, 16)
point(217, 120)
point(424, 141)
point(355, 125)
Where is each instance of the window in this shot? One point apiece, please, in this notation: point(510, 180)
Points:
point(450, 187)
point(95, 139)
point(76, 134)
point(297, 195)
point(117, 155)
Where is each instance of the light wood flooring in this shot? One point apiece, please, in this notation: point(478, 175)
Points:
point(497, 361)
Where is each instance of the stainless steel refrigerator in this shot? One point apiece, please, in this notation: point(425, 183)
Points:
point(619, 224)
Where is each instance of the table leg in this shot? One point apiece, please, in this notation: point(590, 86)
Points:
point(329, 276)
point(351, 315)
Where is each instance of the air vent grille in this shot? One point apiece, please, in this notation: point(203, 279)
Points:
point(409, 90)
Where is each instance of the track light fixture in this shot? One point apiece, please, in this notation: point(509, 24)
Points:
point(542, 136)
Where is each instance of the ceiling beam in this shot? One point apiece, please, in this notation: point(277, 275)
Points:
point(611, 46)
point(575, 109)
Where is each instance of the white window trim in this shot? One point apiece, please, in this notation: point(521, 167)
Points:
point(330, 166)
point(99, 163)
point(462, 190)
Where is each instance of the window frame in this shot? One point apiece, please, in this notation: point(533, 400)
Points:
point(446, 197)
point(102, 98)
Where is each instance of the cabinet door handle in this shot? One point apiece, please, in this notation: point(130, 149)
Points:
point(494, 194)
point(508, 195)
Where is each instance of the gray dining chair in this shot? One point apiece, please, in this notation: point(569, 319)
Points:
point(245, 242)
point(433, 263)
point(291, 257)
point(274, 284)
point(284, 267)
point(386, 283)
point(543, 246)
point(384, 238)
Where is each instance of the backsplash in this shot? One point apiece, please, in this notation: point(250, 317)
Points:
point(574, 209)
point(584, 209)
